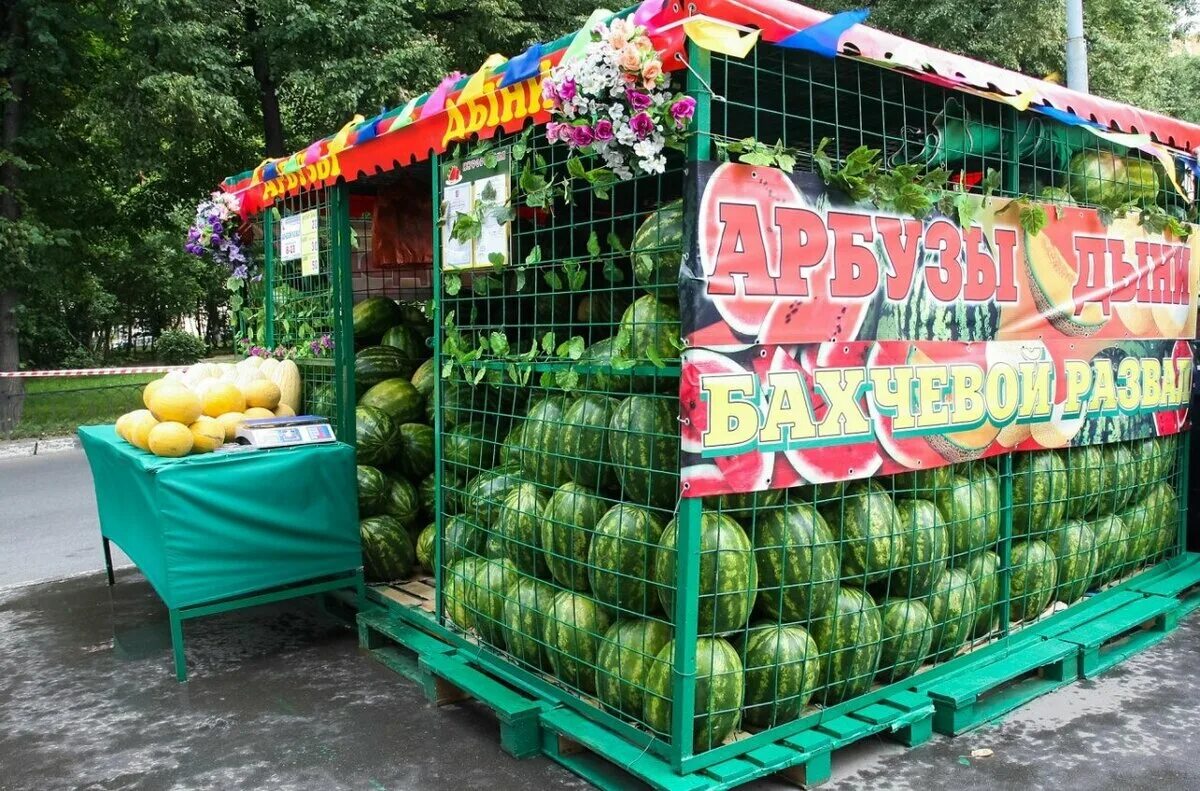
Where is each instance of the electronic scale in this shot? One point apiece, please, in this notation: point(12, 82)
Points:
point(285, 432)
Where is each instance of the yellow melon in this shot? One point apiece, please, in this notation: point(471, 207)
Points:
point(195, 374)
point(268, 366)
point(283, 410)
point(230, 422)
point(176, 376)
point(173, 402)
point(256, 412)
point(263, 393)
point(249, 362)
point(222, 397)
point(207, 434)
point(170, 439)
point(123, 424)
point(140, 425)
point(149, 390)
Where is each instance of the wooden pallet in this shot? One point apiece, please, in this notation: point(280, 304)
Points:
point(416, 593)
point(1120, 633)
point(1178, 579)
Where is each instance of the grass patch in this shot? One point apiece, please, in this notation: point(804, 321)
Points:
point(55, 406)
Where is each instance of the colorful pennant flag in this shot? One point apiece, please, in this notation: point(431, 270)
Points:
point(367, 131)
point(718, 36)
point(292, 163)
point(341, 141)
point(1020, 101)
point(823, 38)
point(436, 102)
point(584, 36)
point(478, 81)
point(402, 118)
point(645, 14)
point(270, 171)
point(526, 65)
point(313, 152)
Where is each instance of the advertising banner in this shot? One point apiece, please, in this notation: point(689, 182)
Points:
point(831, 342)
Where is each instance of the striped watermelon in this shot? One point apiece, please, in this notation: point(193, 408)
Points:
point(1034, 579)
point(953, 606)
point(373, 315)
point(600, 375)
point(907, 635)
point(1085, 479)
point(495, 546)
point(644, 446)
point(387, 549)
point(542, 454)
point(468, 449)
point(1145, 466)
point(458, 585)
point(922, 484)
point(414, 458)
point(585, 441)
point(1165, 509)
point(463, 538)
point(529, 600)
point(744, 507)
point(1074, 546)
point(372, 490)
point(623, 662)
point(600, 310)
point(720, 690)
point(621, 559)
point(967, 508)
point(410, 342)
point(873, 542)
point(1145, 522)
point(984, 571)
point(492, 583)
point(1039, 492)
point(425, 547)
point(567, 523)
point(728, 577)
point(1116, 478)
point(514, 443)
point(402, 503)
point(423, 379)
point(1166, 455)
point(427, 495)
point(783, 667)
point(376, 436)
point(1112, 546)
point(650, 327)
point(850, 642)
point(575, 625)
point(375, 363)
point(798, 564)
point(928, 549)
point(657, 249)
point(398, 398)
point(461, 401)
point(485, 493)
point(518, 524)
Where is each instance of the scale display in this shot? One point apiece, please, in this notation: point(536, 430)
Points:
point(285, 432)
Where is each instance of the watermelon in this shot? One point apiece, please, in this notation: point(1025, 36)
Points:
point(728, 582)
point(518, 524)
point(798, 564)
point(398, 398)
point(658, 248)
point(567, 523)
point(601, 310)
point(467, 449)
point(524, 620)
point(1039, 492)
point(585, 441)
point(1085, 479)
point(376, 436)
point(1112, 546)
point(621, 558)
point(1166, 455)
point(984, 571)
point(423, 379)
point(720, 690)
point(922, 484)
point(387, 549)
point(644, 447)
point(461, 401)
point(1034, 579)
point(1104, 178)
point(425, 547)
point(464, 538)
point(514, 443)
point(496, 547)
point(402, 503)
point(928, 549)
point(458, 585)
point(414, 457)
point(1145, 522)
point(1164, 509)
point(783, 668)
point(971, 514)
point(374, 364)
point(1116, 478)
point(600, 375)
point(743, 507)
point(574, 628)
point(412, 314)
point(372, 490)
point(410, 342)
point(907, 636)
point(485, 493)
point(953, 606)
point(1074, 546)
point(628, 650)
point(323, 401)
point(372, 316)
point(850, 641)
point(650, 330)
point(873, 541)
point(541, 441)
point(427, 496)
point(492, 583)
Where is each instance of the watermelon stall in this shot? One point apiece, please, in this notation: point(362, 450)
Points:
point(778, 370)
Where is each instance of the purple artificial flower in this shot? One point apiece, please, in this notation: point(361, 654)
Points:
point(683, 110)
point(582, 136)
point(603, 129)
point(567, 90)
point(280, 352)
point(642, 125)
point(256, 351)
point(314, 347)
point(549, 91)
point(256, 279)
point(193, 234)
point(217, 227)
point(552, 132)
point(638, 100)
point(326, 342)
point(241, 272)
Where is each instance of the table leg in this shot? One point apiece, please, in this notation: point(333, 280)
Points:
point(177, 646)
point(108, 560)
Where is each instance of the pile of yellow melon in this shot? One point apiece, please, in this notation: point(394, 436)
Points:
point(200, 409)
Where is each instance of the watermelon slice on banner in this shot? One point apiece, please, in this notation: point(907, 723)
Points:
point(1173, 421)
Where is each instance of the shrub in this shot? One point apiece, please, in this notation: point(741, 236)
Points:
point(79, 358)
point(175, 347)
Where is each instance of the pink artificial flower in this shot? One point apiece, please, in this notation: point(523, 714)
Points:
point(552, 134)
point(643, 43)
point(604, 129)
point(623, 28)
point(651, 72)
point(629, 59)
point(582, 136)
point(549, 91)
point(683, 110)
point(567, 89)
point(642, 125)
point(638, 100)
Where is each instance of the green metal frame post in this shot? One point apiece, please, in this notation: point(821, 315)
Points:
point(268, 281)
point(338, 217)
point(435, 276)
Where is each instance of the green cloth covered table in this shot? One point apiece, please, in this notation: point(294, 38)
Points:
point(220, 531)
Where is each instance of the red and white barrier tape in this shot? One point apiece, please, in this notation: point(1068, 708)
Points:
point(149, 369)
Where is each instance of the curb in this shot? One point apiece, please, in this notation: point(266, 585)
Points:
point(37, 447)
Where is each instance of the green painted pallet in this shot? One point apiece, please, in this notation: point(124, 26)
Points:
point(1121, 633)
point(1178, 579)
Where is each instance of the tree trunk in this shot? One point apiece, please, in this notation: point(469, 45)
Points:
point(12, 391)
point(268, 95)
